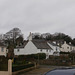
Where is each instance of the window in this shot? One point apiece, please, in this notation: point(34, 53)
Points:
point(67, 47)
point(18, 50)
point(70, 48)
point(56, 48)
point(47, 50)
point(41, 50)
point(2, 49)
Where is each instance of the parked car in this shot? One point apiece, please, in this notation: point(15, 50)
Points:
point(62, 71)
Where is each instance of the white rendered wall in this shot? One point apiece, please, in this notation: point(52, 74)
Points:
point(65, 48)
point(54, 49)
point(30, 48)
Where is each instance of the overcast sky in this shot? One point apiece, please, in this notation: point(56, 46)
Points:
point(38, 16)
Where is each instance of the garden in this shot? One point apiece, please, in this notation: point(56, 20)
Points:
point(26, 61)
point(65, 59)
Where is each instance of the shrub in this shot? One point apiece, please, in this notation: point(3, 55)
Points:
point(40, 56)
point(3, 63)
point(20, 67)
point(32, 56)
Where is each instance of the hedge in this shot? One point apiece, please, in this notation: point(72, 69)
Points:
point(30, 57)
point(55, 62)
point(3, 63)
point(64, 52)
point(20, 67)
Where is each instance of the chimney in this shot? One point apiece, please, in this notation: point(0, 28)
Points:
point(69, 42)
point(30, 36)
point(64, 42)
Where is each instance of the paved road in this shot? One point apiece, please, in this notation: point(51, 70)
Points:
point(39, 71)
point(62, 72)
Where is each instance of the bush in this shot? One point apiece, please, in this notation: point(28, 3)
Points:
point(55, 62)
point(20, 67)
point(64, 52)
point(32, 56)
point(3, 63)
point(40, 56)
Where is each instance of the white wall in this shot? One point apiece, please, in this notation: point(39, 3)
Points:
point(54, 49)
point(30, 48)
point(65, 48)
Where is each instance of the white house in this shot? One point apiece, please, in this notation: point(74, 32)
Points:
point(3, 50)
point(55, 47)
point(67, 47)
point(33, 46)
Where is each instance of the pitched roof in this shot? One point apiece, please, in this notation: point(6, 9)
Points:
point(52, 43)
point(22, 46)
point(41, 44)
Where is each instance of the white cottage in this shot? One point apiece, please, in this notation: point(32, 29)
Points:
point(33, 47)
point(55, 47)
point(3, 50)
point(67, 47)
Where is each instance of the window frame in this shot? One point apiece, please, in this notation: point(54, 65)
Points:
point(2, 49)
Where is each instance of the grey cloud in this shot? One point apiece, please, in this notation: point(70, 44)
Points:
point(38, 16)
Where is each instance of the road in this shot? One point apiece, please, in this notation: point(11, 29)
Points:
point(39, 71)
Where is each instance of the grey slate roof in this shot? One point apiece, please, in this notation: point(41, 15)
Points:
point(52, 43)
point(25, 42)
point(41, 44)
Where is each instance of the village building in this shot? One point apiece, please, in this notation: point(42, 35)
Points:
point(55, 47)
point(67, 47)
point(33, 46)
point(3, 50)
